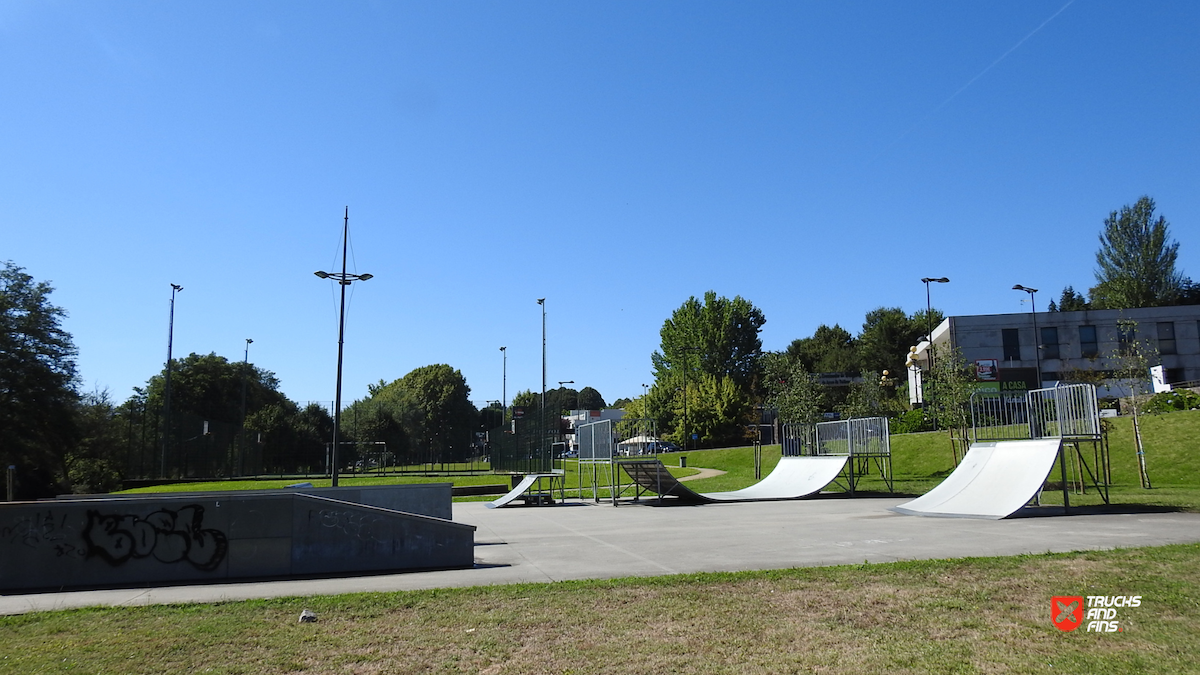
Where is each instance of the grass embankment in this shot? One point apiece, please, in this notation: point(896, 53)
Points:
point(571, 482)
point(919, 462)
point(971, 615)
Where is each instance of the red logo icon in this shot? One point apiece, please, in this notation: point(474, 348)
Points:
point(1066, 611)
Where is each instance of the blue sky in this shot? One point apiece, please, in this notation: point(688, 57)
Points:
point(816, 158)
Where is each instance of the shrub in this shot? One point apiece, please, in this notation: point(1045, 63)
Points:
point(1170, 401)
point(909, 422)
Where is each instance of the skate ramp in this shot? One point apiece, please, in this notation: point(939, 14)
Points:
point(526, 483)
point(792, 478)
point(994, 480)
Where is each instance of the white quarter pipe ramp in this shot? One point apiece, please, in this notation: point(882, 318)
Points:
point(993, 481)
point(793, 478)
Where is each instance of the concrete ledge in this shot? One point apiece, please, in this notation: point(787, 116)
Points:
point(138, 540)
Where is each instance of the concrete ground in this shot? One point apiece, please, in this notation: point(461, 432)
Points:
point(586, 541)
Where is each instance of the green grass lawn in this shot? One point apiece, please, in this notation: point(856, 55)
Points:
point(919, 462)
point(980, 615)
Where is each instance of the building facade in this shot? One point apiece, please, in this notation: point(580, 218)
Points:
point(1062, 345)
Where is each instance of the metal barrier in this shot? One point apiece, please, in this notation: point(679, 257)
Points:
point(865, 440)
point(1069, 412)
point(602, 443)
point(1064, 411)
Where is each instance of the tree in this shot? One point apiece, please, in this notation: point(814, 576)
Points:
point(527, 399)
point(829, 350)
point(1132, 358)
point(38, 397)
point(792, 390)
point(590, 399)
point(1069, 301)
point(1135, 266)
point(561, 400)
point(432, 405)
point(886, 335)
point(719, 337)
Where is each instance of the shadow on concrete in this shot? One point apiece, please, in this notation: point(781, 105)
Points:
point(1092, 510)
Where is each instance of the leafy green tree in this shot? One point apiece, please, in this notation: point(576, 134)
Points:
point(717, 412)
point(886, 335)
point(866, 398)
point(1135, 266)
point(527, 399)
point(561, 400)
point(829, 350)
point(718, 338)
point(38, 397)
point(590, 399)
point(619, 403)
point(432, 404)
point(210, 387)
point(792, 390)
point(93, 465)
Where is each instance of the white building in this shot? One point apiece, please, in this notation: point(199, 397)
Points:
point(1002, 346)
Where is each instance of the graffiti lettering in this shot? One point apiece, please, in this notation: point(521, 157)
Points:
point(167, 536)
point(353, 524)
point(36, 530)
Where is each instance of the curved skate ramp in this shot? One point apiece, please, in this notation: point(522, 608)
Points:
point(521, 488)
point(792, 478)
point(993, 481)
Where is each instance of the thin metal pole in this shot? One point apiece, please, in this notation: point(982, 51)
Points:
point(337, 405)
point(241, 462)
point(542, 433)
point(175, 288)
point(1037, 339)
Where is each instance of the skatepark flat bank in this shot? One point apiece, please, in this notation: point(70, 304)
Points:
point(580, 540)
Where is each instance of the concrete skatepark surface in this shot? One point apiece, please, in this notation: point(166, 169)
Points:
point(580, 540)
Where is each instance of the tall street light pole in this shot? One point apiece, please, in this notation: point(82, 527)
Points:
point(343, 280)
point(242, 429)
point(929, 331)
point(503, 384)
point(542, 434)
point(929, 312)
point(1037, 339)
point(175, 288)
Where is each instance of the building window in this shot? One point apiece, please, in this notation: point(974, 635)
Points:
point(1174, 375)
point(1050, 343)
point(1012, 344)
point(1126, 334)
point(1166, 338)
point(1088, 346)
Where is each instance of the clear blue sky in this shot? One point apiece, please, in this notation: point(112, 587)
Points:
point(816, 158)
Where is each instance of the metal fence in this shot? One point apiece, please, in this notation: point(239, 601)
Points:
point(857, 437)
point(595, 441)
point(1064, 411)
point(527, 447)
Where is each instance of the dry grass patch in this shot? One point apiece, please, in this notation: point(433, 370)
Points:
point(988, 615)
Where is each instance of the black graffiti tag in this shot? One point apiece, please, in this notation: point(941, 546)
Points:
point(167, 536)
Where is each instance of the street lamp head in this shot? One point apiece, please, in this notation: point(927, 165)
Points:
point(364, 277)
point(249, 341)
point(177, 287)
point(323, 275)
point(1019, 287)
point(503, 349)
point(541, 301)
point(939, 280)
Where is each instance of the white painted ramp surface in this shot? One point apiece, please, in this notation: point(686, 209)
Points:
point(993, 481)
point(526, 483)
point(793, 477)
